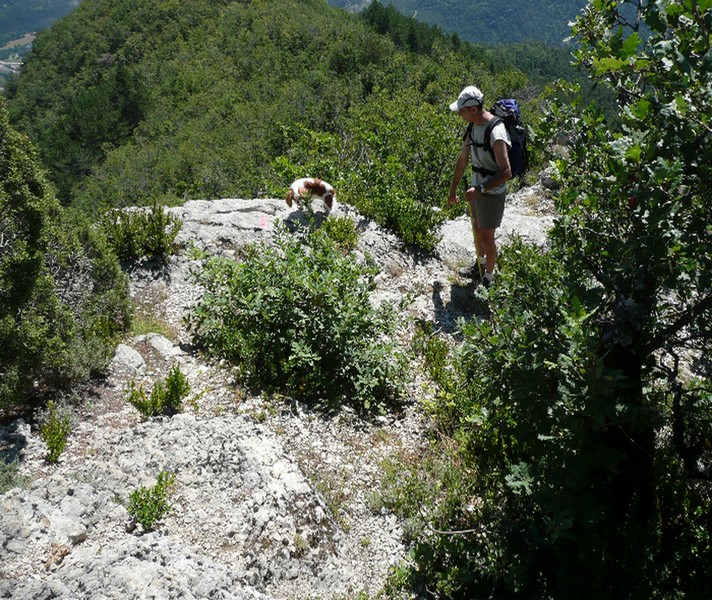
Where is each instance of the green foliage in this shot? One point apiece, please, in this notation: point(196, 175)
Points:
point(63, 298)
point(178, 97)
point(574, 454)
point(543, 62)
point(434, 351)
point(55, 427)
point(392, 164)
point(485, 416)
point(296, 318)
point(142, 233)
point(342, 231)
point(404, 31)
point(164, 398)
point(9, 475)
point(148, 505)
point(395, 150)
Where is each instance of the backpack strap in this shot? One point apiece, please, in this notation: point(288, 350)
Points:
point(468, 133)
point(487, 143)
point(493, 122)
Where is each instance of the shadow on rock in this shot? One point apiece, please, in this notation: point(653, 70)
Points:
point(13, 440)
point(465, 302)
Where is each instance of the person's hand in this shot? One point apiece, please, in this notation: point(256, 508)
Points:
point(453, 199)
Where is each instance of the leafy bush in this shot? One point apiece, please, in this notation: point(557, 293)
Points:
point(63, 297)
point(164, 399)
point(434, 351)
point(9, 475)
point(148, 505)
point(56, 425)
point(576, 455)
point(296, 318)
point(522, 493)
point(142, 233)
point(342, 231)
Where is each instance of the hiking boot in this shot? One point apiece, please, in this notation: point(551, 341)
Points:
point(472, 272)
point(486, 281)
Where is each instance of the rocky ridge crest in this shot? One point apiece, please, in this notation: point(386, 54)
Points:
point(272, 501)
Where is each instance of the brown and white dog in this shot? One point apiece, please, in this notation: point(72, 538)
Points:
point(311, 187)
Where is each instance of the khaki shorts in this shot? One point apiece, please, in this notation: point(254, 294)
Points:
point(489, 209)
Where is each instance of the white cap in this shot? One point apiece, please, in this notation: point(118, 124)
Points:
point(470, 96)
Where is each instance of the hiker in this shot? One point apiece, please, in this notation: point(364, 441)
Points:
point(490, 172)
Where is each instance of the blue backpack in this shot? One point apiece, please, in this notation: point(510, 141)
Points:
point(506, 111)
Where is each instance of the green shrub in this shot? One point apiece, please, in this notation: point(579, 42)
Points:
point(56, 425)
point(296, 318)
point(527, 492)
point(9, 475)
point(477, 529)
point(414, 222)
point(63, 297)
point(148, 505)
point(342, 231)
point(142, 232)
point(435, 352)
point(164, 399)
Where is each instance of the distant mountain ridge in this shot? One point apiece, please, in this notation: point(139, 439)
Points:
point(481, 22)
point(19, 17)
point(489, 22)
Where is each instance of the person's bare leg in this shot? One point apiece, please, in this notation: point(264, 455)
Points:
point(485, 237)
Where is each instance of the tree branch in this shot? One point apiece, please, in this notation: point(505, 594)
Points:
point(683, 321)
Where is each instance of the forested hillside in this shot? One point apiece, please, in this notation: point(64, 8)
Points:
point(129, 101)
point(542, 63)
point(488, 23)
point(492, 22)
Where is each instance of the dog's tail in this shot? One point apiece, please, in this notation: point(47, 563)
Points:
point(290, 197)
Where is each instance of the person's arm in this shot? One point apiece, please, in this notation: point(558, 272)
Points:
point(460, 166)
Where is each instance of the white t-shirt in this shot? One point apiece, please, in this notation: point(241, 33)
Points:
point(481, 157)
